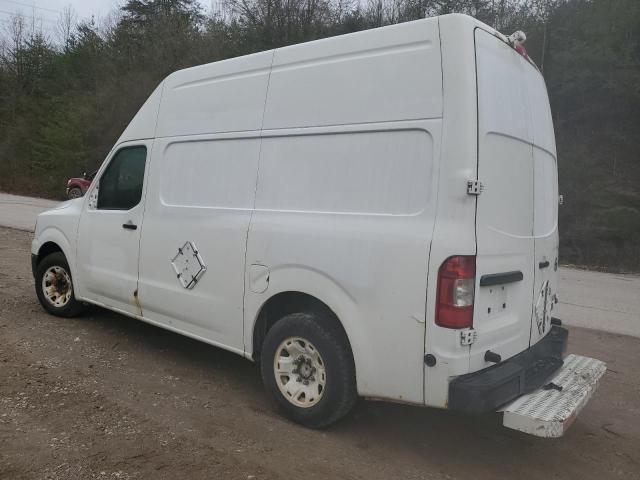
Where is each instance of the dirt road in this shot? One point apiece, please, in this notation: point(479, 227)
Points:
point(20, 212)
point(604, 301)
point(106, 397)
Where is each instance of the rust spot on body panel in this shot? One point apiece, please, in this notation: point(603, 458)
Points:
point(136, 301)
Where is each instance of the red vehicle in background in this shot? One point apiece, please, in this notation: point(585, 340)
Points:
point(77, 186)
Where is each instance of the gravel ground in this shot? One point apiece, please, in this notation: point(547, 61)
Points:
point(107, 397)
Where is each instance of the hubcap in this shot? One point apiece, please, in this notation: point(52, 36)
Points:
point(300, 372)
point(74, 193)
point(57, 286)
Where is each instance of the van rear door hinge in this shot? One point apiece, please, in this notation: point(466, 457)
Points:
point(468, 336)
point(474, 187)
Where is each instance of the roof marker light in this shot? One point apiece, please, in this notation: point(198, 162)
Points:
point(516, 40)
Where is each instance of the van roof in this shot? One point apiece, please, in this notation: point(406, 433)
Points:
point(145, 122)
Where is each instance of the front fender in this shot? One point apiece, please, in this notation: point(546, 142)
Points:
point(56, 235)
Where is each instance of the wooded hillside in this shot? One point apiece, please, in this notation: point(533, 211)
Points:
point(65, 100)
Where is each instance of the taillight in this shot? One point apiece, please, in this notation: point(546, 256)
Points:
point(456, 285)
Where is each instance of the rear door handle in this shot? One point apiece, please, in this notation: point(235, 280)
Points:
point(501, 278)
point(544, 264)
point(129, 226)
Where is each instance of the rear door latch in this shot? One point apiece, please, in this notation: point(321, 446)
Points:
point(474, 187)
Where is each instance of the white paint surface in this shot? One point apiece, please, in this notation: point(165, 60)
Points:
point(106, 253)
point(363, 172)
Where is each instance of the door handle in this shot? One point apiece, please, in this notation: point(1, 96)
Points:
point(501, 278)
point(129, 225)
point(544, 264)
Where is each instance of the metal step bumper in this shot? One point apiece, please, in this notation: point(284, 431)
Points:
point(487, 390)
point(549, 411)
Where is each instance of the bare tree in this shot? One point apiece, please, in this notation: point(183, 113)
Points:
point(16, 31)
point(65, 27)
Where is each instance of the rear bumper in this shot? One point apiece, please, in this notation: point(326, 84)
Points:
point(488, 389)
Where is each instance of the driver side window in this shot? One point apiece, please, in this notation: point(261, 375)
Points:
point(121, 183)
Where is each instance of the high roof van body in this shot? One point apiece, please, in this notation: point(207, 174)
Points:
point(373, 214)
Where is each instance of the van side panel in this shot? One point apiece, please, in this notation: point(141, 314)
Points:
point(373, 76)
point(143, 124)
point(201, 190)
point(226, 96)
point(360, 172)
point(454, 232)
point(346, 217)
point(202, 185)
point(347, 189)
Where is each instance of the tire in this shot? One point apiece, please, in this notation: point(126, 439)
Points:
point(327, 365)
point(61, 300)
point(74, 192)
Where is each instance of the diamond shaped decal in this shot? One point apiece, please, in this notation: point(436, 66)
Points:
point(188, 265)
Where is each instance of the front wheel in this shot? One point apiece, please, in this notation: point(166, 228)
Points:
point(307, 369)
point(54, 286)
point(74, 192)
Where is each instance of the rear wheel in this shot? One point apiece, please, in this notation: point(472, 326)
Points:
point(54, 286)
point(307, 368)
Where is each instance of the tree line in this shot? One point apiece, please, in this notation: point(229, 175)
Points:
point(65, 98)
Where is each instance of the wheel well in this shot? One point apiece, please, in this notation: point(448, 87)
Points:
point(47, 249)
point(283, 304)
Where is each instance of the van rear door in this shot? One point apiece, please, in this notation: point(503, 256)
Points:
point(545, 208)
point(505, 274)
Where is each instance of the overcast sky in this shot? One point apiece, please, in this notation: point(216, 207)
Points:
point(47, 12)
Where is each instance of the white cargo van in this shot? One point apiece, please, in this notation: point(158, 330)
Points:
point(372, 215)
